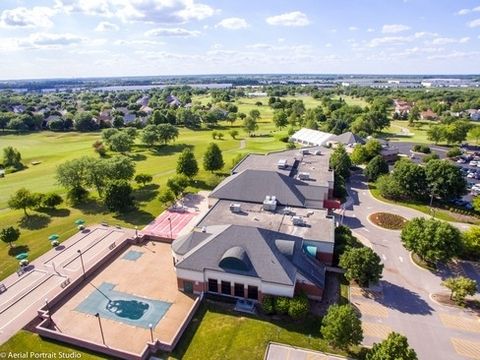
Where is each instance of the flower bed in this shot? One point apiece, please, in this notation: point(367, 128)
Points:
point(388, 221)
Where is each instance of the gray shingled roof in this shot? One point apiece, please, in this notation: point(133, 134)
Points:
point(273, 256)
point(348, 138)
point(254, 185)
point(184, 243)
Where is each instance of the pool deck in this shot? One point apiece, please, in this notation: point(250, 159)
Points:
point(46, 277)
point(151, 276)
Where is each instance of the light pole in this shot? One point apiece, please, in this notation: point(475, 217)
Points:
point(97, 315)
point(81, 260)
point(170, 225)
point(136, 231)
point(151, 331)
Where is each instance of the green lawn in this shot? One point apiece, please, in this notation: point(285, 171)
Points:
point(27, 341)
point(350, 100)
point(217, 333)
point(52, 149)
point(440, 213)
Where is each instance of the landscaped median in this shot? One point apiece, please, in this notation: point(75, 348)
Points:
point(387, 220)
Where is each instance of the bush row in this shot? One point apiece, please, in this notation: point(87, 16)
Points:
point(296, 307)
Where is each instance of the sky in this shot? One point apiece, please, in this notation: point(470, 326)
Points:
point(101, 38)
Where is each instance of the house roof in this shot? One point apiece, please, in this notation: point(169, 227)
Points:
point(348, 138)
point(255, 185)
point(269, 255)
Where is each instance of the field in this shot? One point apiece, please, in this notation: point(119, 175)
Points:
point(217, 333)
point(27, 341)
point(51, 149)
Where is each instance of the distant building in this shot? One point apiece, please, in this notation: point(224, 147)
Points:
point(428, 115)
point(473, 114)
point(402, 108)
point(309, 137)
point(348, 139)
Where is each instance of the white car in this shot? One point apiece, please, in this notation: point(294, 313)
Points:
point(473, 163)
point(461, 161)
point(471, 175)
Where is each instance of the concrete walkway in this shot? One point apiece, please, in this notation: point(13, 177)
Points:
point(49, 274)
point(276, 351)
point(403, 303)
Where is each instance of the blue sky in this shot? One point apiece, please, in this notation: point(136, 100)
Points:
point(82, 38)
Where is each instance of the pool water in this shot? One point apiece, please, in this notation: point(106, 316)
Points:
point(132, 255)
point(123, 307)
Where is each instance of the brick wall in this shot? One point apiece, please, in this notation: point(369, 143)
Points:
point(325, 258)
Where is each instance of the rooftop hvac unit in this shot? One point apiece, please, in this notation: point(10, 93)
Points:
point(304, 151)
point(282, 164)
point(288, 211)
point(270, 203)
point(235, 208)
point(298, 221)
point(304, 175)
point(317, 152)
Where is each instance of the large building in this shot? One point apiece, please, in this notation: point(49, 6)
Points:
point(268, 230)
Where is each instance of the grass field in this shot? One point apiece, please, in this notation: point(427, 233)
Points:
point(217, 333)
point(27, 341)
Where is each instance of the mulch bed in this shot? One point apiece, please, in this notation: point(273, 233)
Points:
point(388, 220)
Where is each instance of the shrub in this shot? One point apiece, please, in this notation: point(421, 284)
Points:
point(268, 304)
point(389, 187)
point(453, 152)
point(214, 135)
point(290, 146)
point(284, 139)
point(220, 136)
point(422, 148)
point(430, 157)
point(282, 305)
point(51, 200)
point(298, 306)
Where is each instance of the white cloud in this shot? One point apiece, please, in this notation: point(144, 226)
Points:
point(172, 32)
point(150, 11)
point(88, 7)
point(233, 23)
point(446, 40)
point(139, 42)
point(370, 30)
point(474, 23)
point(328, 45)
point(40, 41)
point(389, 40)
point(105, 26)
point(38, 16)
point(353, 28)
point(394, 28)
point(468, 11)
point(295, 18)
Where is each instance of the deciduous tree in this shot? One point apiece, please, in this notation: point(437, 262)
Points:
point(341, 327)
point(362, 265)
point(394, 347)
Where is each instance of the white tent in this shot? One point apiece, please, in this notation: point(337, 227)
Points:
point(309, 137)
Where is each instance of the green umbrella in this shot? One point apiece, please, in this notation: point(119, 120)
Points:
point(79, 222)
point(53, 237)
point(21, 256)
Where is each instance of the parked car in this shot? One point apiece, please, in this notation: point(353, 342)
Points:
point(473, 163)
point(471, 175)
point(461, 161)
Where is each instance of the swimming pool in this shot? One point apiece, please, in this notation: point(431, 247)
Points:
point(123, 307)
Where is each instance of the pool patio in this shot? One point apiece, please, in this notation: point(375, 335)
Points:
point(135, 289)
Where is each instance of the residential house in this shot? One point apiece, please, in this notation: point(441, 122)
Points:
point(428, 115)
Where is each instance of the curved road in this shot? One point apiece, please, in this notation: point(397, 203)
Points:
point(404, 304)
